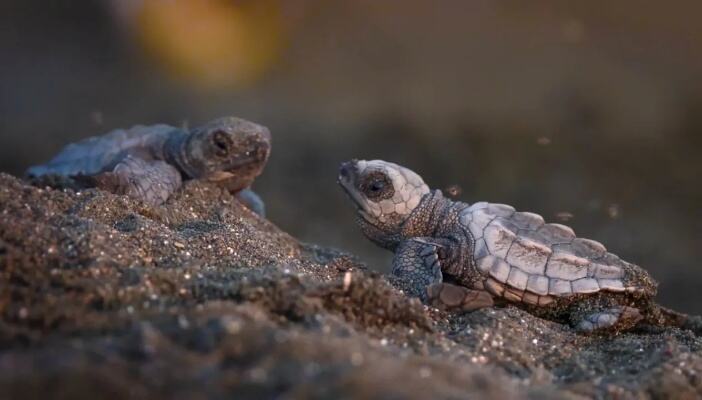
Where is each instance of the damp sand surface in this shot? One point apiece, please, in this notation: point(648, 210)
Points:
point(103, 296)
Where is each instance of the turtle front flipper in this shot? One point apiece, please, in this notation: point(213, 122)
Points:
point(416, 266)
point(149, 181)
point(252, 201)
point(417, 271)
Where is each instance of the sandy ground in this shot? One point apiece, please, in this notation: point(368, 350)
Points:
point(104, 296)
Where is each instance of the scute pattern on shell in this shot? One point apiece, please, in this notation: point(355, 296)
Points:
point(527, 260)
point(91, 155)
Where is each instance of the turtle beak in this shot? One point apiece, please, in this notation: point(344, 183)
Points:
point(254, 151)
point(260, 146)
point(347, 171)
point(347, 180)
point(347, 176)
point(239, 171)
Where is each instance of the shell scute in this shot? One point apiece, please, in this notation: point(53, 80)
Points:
point(501, 210)
point(588, 248)
point(481, 219)
point(517, 279)
point(559, 287)
point(601, 271)
point(485, 263)
point(538, 284)
point(613, 285)
point(499, 239)
point(566, 266)
point(527, 220)
point(481, 249)
point(476, 230)
point(499, 269)
point(557, 233)
point(528, 255)
point(586, 285)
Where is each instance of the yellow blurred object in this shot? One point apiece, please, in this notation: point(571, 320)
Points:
point(212, 43)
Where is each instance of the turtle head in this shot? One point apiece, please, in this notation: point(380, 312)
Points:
point(230, 151)
point(385, 195)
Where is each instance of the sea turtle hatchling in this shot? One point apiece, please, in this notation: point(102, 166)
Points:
point(150, 162)
point(455, 255)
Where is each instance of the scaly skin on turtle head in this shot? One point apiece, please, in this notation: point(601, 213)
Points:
point(229, 151)
point(385, 195)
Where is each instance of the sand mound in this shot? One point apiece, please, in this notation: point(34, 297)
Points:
point(200, 298)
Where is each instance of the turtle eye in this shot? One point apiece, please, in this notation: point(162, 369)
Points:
point(376, 186)
point(221, 143)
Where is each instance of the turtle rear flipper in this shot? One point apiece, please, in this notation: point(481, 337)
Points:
point(614, 318)
point(450, 297)
point(56, 181)
point(149, 181)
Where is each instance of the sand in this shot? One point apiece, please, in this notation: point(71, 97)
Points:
point(104, 296)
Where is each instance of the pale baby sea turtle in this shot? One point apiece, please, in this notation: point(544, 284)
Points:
point(463, 256)
point(150, 162)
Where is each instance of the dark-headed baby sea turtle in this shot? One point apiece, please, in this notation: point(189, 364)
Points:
point(150, 162)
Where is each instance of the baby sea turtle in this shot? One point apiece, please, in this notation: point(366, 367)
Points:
point(457, 256)
point(150, 162)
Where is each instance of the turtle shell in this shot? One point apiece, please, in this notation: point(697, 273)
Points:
point(526, 260)
point(100, 153)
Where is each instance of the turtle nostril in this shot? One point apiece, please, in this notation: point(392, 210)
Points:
point(344, 170)
point(258, 152)
point(261, 152)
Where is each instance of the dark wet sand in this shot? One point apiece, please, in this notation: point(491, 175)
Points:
point(104, 296)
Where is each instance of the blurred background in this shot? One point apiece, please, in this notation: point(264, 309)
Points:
point(589, 113)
